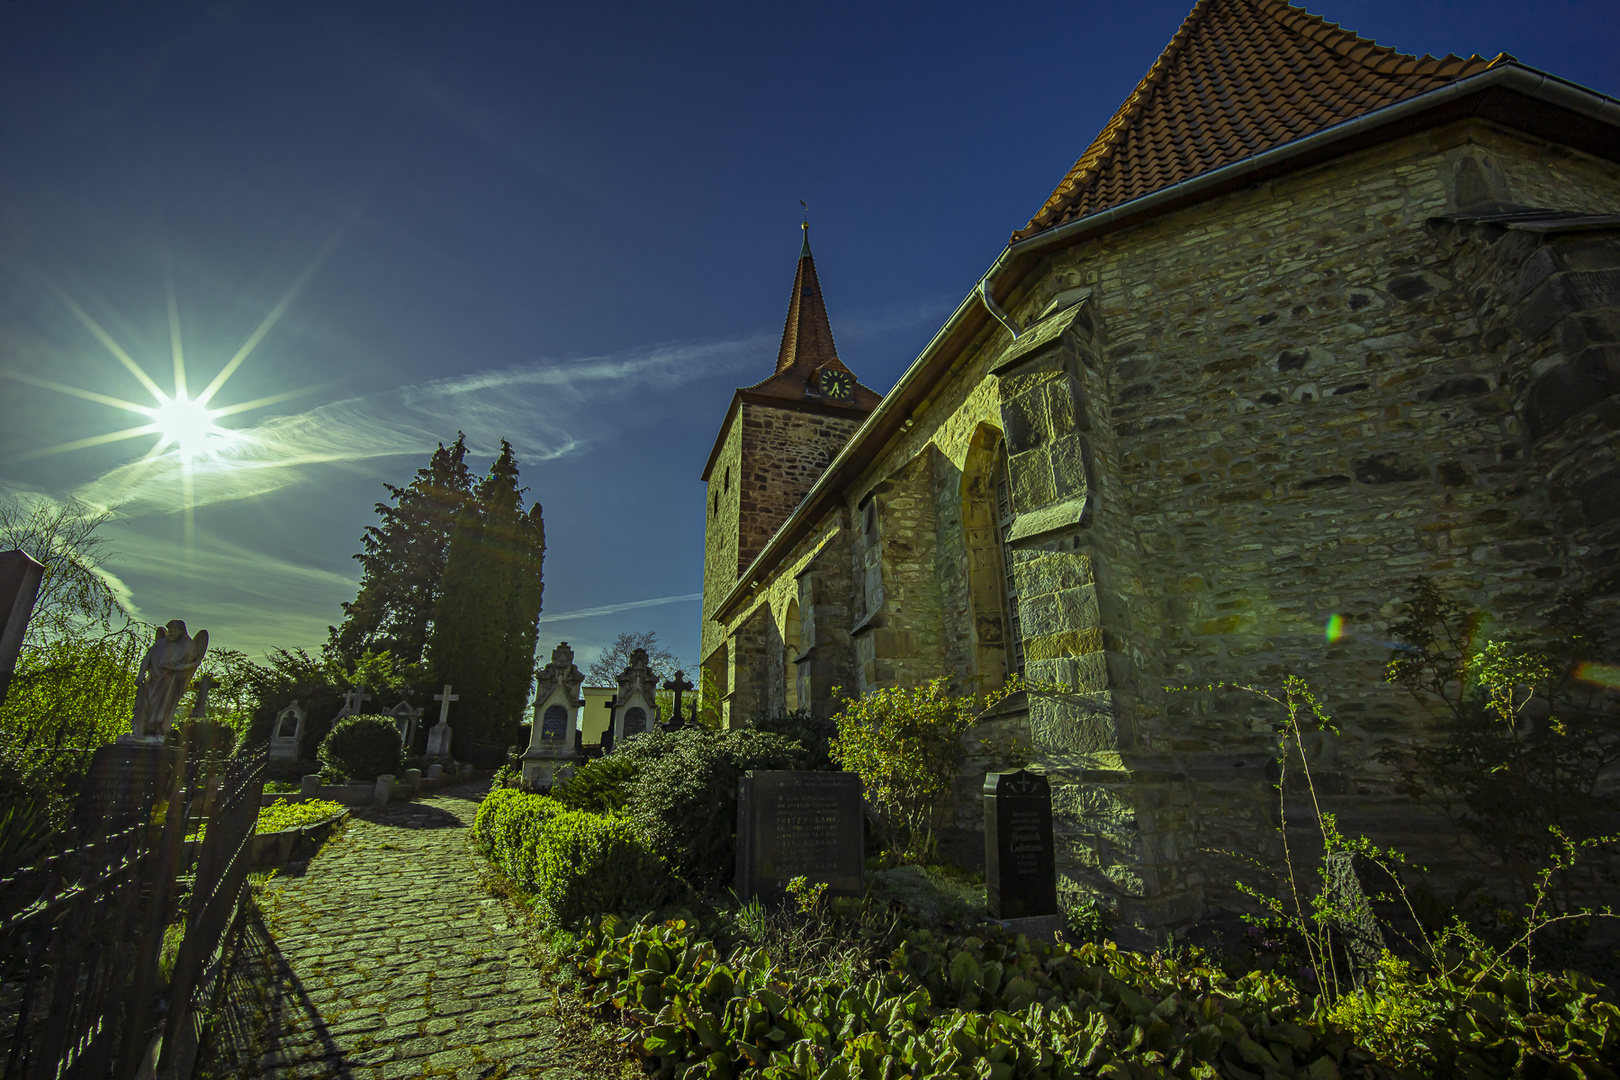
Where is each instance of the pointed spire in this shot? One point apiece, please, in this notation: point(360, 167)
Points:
point(807, 340)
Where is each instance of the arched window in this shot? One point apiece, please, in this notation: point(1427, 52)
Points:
point(790, 653)
point(1009, 586)
point(997, 637)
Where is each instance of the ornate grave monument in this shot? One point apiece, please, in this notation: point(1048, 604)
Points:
point(1020, 867)
point(551, 754)
point(635, 707)
point(799, 823)
point(288, 730)
point(439, 734)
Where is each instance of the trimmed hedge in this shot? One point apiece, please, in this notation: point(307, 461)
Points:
point(685, 802)
point(574, 863)
point(363, 748)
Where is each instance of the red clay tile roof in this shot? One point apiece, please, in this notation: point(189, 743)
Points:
point(807, 344)
point(1239, 77)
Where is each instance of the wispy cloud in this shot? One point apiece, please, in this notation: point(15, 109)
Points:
point(537, 405)
point(614, 609)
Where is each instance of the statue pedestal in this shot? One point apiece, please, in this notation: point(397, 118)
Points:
point(542, 768)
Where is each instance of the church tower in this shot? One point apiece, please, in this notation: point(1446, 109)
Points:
point(777, 438)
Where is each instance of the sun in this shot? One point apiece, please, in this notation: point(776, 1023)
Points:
point(187, 424)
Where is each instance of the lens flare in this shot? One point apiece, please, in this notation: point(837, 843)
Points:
point(188, 424)
point(1605, 675)
point(1335, 631)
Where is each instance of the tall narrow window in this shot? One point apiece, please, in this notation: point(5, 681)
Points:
point(1009, 591)
point(790, 653)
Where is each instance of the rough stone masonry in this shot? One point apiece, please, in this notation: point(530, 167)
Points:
point(1220, 423)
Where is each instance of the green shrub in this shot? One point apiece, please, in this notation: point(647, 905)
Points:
point(576, 864)
point(489, 810)
point(586, 864)
point(509, 829)
point(363, 748)
point(600, 786)
point(685, 802)
point(603, 786)
point(813, 733)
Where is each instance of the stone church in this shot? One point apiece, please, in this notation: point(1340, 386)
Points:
point(1310, 317)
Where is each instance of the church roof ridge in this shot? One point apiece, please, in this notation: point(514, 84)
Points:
point(1239, 77)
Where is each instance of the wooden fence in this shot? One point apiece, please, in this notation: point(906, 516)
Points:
point(83, 990)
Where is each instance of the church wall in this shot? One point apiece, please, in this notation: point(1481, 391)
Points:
point(1274, 407)
point(1315, 398)
point(720, 506)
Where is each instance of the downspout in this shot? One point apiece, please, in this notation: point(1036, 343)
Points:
point(990, 304)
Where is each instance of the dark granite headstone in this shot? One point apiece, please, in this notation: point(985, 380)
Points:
point(1019, 869)
point(635, 721)
point(553, 723)
point(120, 786)
point(799, 823)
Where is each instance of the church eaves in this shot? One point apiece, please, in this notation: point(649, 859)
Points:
point(1238, 78)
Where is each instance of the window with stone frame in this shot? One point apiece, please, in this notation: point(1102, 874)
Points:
point(790, 653)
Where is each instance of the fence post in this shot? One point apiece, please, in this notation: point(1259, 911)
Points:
point(149, 946)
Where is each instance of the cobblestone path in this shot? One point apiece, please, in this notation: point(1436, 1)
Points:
point(390, 960)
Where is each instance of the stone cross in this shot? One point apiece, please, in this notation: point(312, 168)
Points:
point(678, 684)
point(203, 685)
point(354, 699)
point(445, 698)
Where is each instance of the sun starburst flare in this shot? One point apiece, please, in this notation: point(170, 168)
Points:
point(187, 427)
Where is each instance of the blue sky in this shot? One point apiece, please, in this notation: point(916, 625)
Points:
point(570, 225)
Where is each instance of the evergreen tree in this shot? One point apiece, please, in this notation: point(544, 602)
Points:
point(487, 619)
point(404, 563)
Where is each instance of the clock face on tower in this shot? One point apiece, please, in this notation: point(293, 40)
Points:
point(836, 384)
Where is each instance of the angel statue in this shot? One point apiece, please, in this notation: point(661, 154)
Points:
point(164, 675)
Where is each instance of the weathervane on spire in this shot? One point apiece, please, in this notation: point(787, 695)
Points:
point(806, 213)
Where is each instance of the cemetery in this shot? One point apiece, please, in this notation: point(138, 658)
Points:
point(977, 775)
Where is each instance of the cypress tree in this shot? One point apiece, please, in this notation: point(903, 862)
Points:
point(404, 563)
point(487, 618)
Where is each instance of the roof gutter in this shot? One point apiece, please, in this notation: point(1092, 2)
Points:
point(1510, 76)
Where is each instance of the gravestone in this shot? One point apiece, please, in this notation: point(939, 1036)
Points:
point(677, 685)
point(1019, 866)
point(792, 824)
point(439, 734)
point(120, 787)
point(289, 728)
point(405, 722)
point(635, 708)
point(551, 754)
